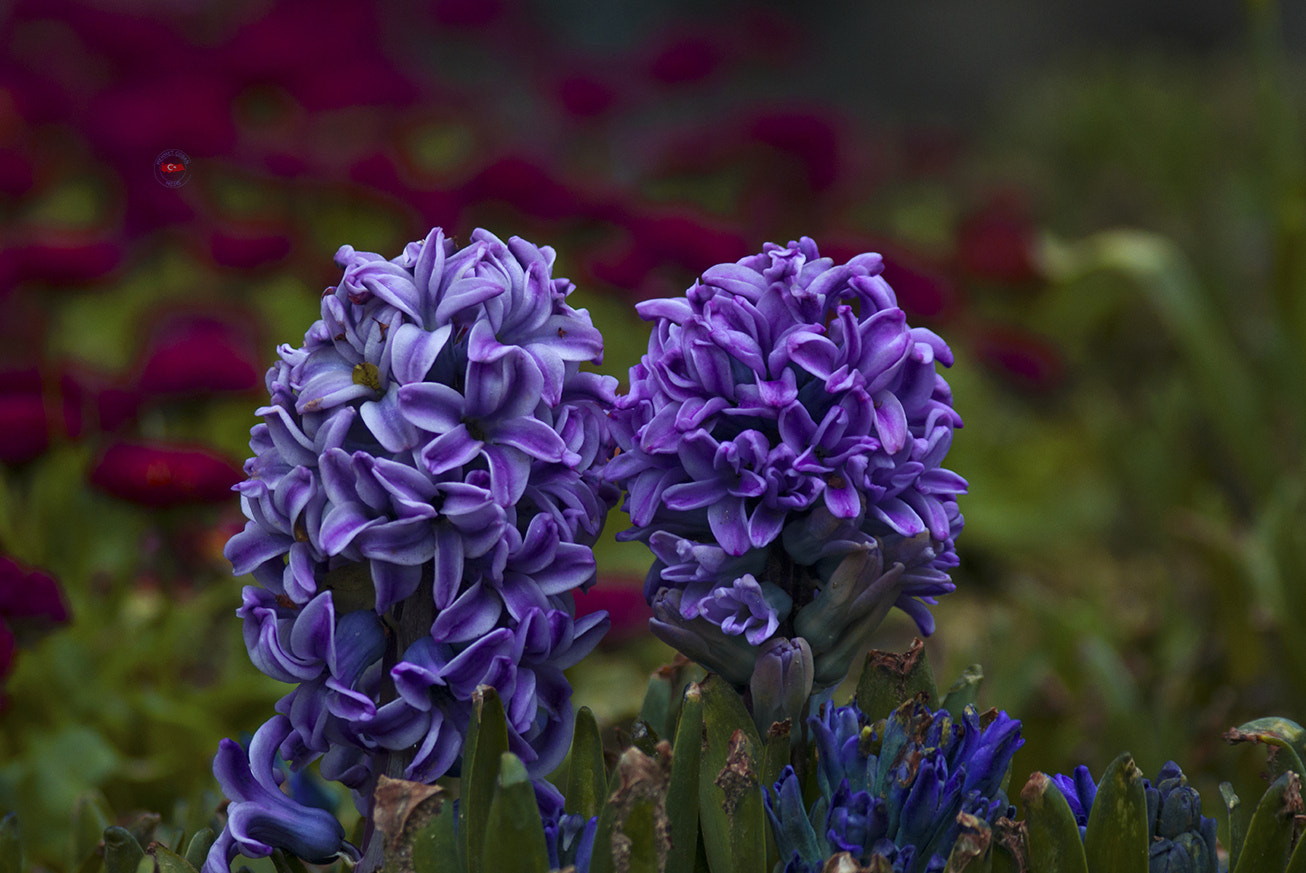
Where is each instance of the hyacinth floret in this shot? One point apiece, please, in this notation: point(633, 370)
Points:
point(785, 421)
point(894, 788)
point(1180, 838)
point(422, 498)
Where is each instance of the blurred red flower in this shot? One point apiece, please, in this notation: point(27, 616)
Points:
point(195, 353)
point(158, 475)
point(1024, 359)
point(623, 598)
point(30, 600)
point(996, 243)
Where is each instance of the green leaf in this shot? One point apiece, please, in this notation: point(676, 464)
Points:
point(1052, 834)
point(404, 813)
point(1270, 832)
point(890, 679)
point(964, 692)
point(514, 834)
point(122, 854)
point(775, 758)
point(169, 861)
point(1284, 734)
point(1116, 840)
point(197, 850)
point(11, 847)
point(1297, 863)
point(1010, 847)
point(90, 817)
point(487, 740)
point(435, 846)
point(633, 828)
point(286, 863)
point(644, 738)
point(641, 829)
point(682, 790)
point(660, 699)
point(729, 793)
point(1237, 826)
point(587, 778)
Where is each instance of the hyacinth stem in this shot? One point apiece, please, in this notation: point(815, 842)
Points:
point(408, 621)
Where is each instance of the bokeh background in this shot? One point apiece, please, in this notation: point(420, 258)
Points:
point(1102, 207)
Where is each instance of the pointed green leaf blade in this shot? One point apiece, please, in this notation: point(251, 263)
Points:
point(634, 830)
point(775, 759)
point(487, 740)
point(1237, 826)
point(514, 833)
point(197, 850)
point(889, 679)
point(1051, 832)
point(1270, 832)
point(169, 861)
point(1116, 840)
point(435, 846)
point(964, 692)
point(682, 791)
point(122, 854)
point(90, 818)
point(729, 789)
point(657, 711)
point(11, 847)
point(287, 863)
point(587, 777)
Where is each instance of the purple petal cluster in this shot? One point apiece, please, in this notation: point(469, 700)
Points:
point(422, 499)
point(894, 789)
point(785, 421)
point(260, 816)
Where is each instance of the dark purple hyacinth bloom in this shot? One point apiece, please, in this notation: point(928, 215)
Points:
point(894, 790)
point(422, 500)
point(1180, 838)
point(781, 447)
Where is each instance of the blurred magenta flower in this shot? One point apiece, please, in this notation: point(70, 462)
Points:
point(997, 242)
point(162, 475)
point(684, 57)
point(422, 499)
point(31, 600)
point(248, 246)
point(24, 426)
point(526, 185)
point(1024, 359)
point(39, 405)
point(191, 353)
point(66, 258)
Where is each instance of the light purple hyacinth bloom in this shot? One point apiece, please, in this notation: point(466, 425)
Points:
point(423, 497)
point(785, 433)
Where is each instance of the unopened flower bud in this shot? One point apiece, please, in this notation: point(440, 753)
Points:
point(781, 681)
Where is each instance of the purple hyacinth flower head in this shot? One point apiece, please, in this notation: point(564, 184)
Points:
point(894, 788)
point(423, 495)
point(787, 423)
